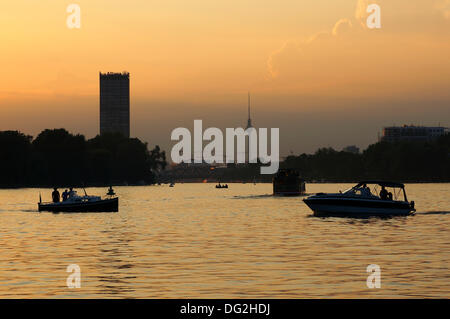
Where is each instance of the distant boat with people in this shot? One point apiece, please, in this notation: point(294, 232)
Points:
point(287, 182)
point(362, 201)
point(73, 203)
point(222, 185)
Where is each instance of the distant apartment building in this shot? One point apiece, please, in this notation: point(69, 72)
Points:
point(115, 103)
point(351, 149)
point(412, 133)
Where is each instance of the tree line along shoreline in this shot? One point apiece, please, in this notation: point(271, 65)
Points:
point(407, 161)
point(57, 158)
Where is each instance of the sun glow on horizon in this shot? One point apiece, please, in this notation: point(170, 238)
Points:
point(199, 58)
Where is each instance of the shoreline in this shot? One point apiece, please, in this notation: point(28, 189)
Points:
point(197, 182)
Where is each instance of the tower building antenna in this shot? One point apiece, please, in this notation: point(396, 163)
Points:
point(249, 121)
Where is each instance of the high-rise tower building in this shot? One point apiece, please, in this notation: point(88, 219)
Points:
point(115, 103)
point(249, 158)
point(249, 121)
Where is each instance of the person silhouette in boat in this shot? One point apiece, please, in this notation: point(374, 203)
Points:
point(110, 191)
point(365, 191)
point(55, 195)
point(383, 193)
point(65, 194)
point(72, 193)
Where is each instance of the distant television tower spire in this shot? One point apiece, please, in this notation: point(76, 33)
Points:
point(249, 121)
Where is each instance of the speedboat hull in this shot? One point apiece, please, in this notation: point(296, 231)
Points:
point(104, 205)
point(339, 206)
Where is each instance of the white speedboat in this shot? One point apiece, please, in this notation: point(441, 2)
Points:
point(361, 201)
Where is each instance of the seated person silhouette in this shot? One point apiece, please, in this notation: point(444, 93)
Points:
point(383, 193)
point(365, 191)
point(65, 194)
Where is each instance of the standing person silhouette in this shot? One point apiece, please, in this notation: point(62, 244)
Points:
point(55, 195)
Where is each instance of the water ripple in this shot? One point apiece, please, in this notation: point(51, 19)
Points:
point(192, 241)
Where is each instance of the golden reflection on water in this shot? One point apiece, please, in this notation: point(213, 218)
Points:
point(195, 241)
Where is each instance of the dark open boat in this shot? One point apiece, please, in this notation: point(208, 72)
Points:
point(287, 182)
point(361, 201)
point(103, 205)
point(83, 204)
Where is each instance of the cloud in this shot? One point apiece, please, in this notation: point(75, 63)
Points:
point(361, 11)
point(293, 48)
point(341, 26)
point(288, 46)
point(444, 7)
point(350, 59)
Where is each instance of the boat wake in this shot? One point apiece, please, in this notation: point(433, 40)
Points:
point(268, 196)
point(18, 210)
point(252, 196)
point(433, 213)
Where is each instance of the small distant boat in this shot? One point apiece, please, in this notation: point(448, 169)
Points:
point(287, 182)
point(360, 201)
point(222, 186)
point(83, 204)
point(172, 185)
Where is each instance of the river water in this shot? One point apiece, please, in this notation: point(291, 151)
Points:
point(195, 241)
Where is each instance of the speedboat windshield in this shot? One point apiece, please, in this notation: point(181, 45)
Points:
point(359, 190)
point(375, 190)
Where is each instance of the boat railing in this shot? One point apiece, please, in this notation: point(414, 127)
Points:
point(75, 199)
point(396, 192)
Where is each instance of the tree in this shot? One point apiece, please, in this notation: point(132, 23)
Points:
point(15, 154)
point(121, 159)
point(61, 158)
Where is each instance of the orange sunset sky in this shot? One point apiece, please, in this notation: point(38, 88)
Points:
point(313, 67)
